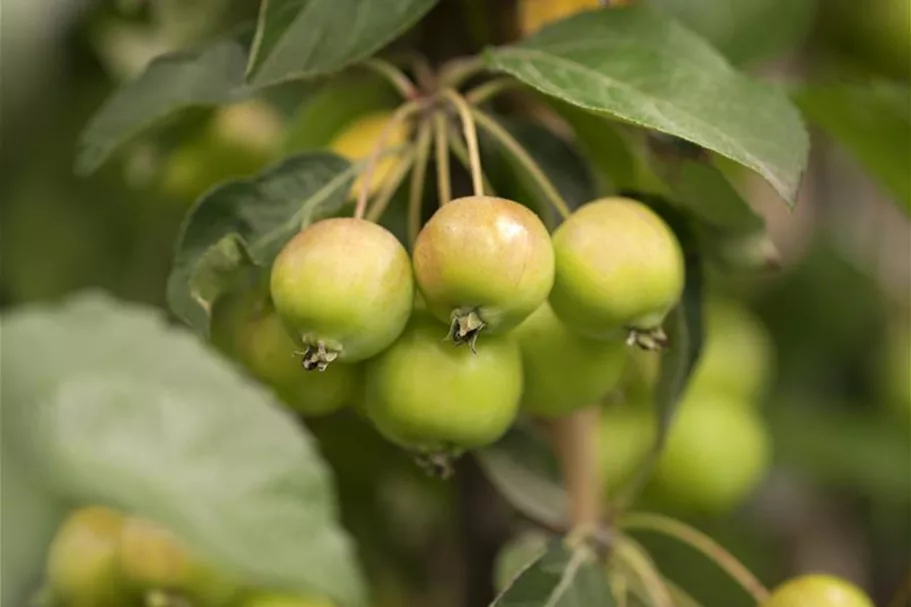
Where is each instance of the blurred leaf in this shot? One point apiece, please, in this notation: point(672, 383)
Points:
point(685, 331)
point(728, 229)
point(517, 554)
point(563, 576)
point(854, 450)
point(640, 66)
point(873, 121)
point(525, 471)
point(247, 222)
point(604, 146)
point(29, 516)
point(306, 38)
point(208, 75)
point(748, 30)
point(332, 108)
point(125, 411)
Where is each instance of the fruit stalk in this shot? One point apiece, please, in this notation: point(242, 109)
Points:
point(390, 187)
point(401, 114)
point(701, 542)
point(441, 140)
point(575, 441)
point(489, 90)
point(470, 131)
point(458, 149)
point(524, 158)
point(394, 76)
point(418, 175)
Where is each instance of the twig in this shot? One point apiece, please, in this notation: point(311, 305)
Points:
point(418, 175)
point(701, 542)
point(471, 137)
point(575, 441)
point(524, 158)
point(394, 76)
point(441, 139)
point(401, 114)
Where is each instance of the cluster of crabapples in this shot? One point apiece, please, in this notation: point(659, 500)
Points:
point(101, 557)
point(489, 315)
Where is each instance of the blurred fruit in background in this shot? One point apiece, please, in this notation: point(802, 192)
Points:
point(535, 14)
point(155, 562)
point(358, 140)
point(284, 600)
point(717, 452)
point(83, 565)
point(238, 141)
point(737, 355)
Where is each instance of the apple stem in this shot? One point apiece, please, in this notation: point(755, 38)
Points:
point(401, 114)
point(393, 76)
point(470, 131)
point(441, 139)
point(484, 92)
point(418, 176)
point(390, 187)
point(522, 156)
point(461, 153)
point(701, 542)
point(575, 441)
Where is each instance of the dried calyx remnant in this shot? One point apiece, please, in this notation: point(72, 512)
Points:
point(438, 464)
point(317, 357)
point(465, 328)
point(650, 339)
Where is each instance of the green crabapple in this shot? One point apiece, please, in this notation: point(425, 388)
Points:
point(625, 437)
point(563, 370)
point(283, 600)
point(153, 560)
point(427, 396)
point(83, 567)
point(344, 289)
point(737, 357)
point(268, 352)
point(618, 266)
point(716, 453)
point(483, 263)
point(818, 590)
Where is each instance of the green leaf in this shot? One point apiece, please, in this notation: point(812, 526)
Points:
point(247, 222)
point(640, 66)
point(604, 146)
point(518, 554)
point(333, 108)
point(564, 576)
point(749, 30)
point(686, 332)
point(729, 231)
point(525, 471)
point(208, 75)
point(124, 410)
point(305, 38)
point(873, 122)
